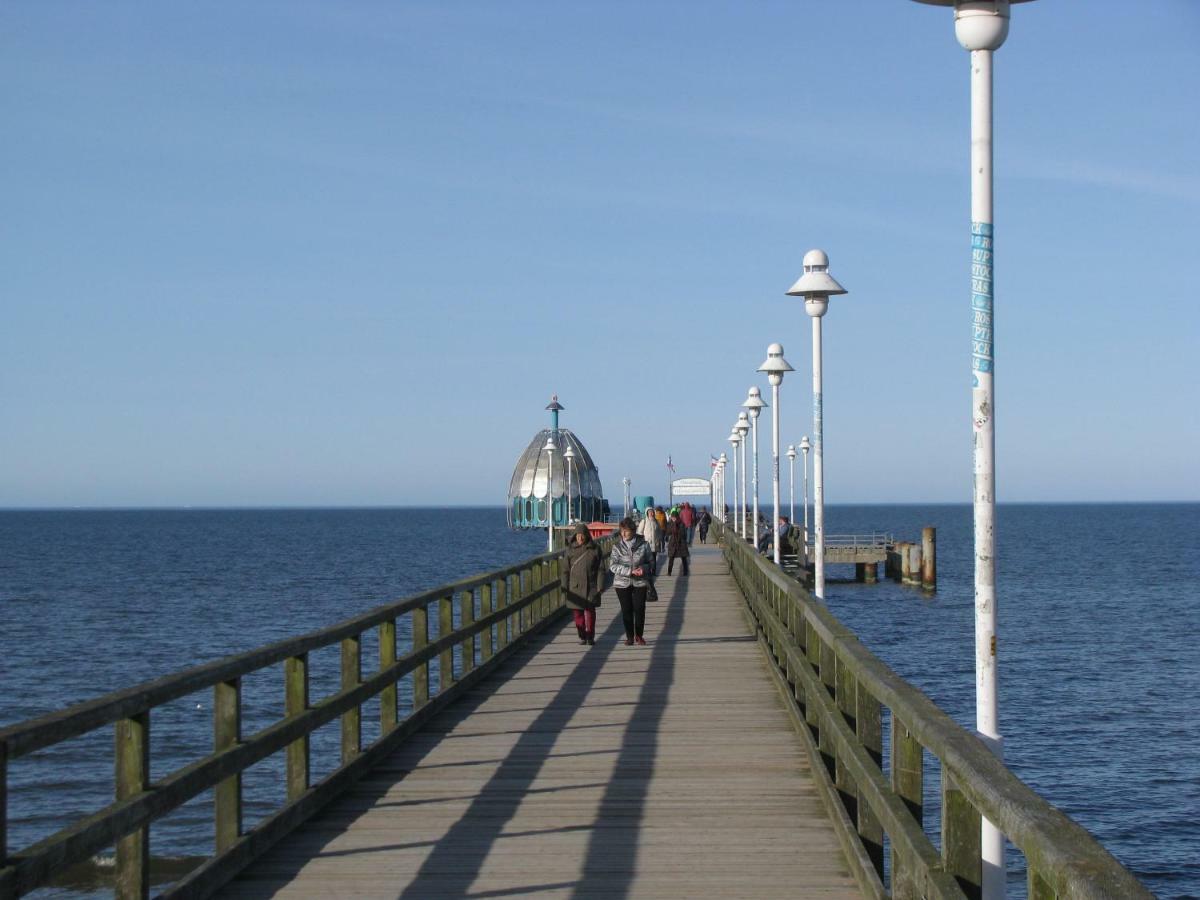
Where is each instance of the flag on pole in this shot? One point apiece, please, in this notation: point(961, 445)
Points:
point(670, 465)
point(712, 461)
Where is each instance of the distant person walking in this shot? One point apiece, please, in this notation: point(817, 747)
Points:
point(583, 581)
point(632, 562)
point(704, 522)
point(677, 545)
point(662, 528)
point(650, 532)
point(687, 515)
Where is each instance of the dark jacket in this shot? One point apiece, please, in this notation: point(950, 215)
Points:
point(677, 544)
point(582, 576)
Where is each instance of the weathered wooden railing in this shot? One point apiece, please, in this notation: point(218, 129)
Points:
point(839, 693)
point(496, 612)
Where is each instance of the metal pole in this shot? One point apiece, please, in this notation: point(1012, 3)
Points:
point(983, 418)
point(775, 463)
point(745, 510)
point(818, 465)
point(550, 498)
point(792, 487)
point(754, 439)
point(806, 502)
point(736, 527)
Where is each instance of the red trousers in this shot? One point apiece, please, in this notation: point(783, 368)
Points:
point(585, 619)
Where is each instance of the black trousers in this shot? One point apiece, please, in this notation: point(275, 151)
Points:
point(671, 563)
point(633, 609)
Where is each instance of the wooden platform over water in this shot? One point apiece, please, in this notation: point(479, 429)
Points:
point(670, 770)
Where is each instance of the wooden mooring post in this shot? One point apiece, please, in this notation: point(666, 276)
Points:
point(910, 562)
point(929, 558)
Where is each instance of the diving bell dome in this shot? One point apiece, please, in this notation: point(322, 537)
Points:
point(537, 469)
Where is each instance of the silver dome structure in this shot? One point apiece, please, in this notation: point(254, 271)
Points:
point(527, 491)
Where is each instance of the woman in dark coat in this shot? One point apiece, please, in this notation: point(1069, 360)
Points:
point(677, 544)
point(582, 582)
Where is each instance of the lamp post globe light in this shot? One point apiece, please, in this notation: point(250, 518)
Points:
point(805, 446)
point(549, 448)
point(568, 462)
point(816, 286)
point(735, 439)
point(743, 428)
point(981, 27)
point(775, 367)
point(754, 405)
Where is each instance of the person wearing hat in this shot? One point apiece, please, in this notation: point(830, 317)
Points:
point(583, 581)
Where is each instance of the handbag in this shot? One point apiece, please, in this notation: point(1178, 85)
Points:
point(651, 591)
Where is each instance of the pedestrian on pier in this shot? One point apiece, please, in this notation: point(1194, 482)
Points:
point(687, 515)
point(583, 581)
point(677, 544)
point(632, 563)
point(649, 530)
point(704, 522)
point(662, 528)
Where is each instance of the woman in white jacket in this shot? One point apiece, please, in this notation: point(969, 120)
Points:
point(649, 530)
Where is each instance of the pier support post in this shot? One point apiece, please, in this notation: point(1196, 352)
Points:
point(227, 733)
point(420, 640)
point(905, 562)
point(295, 702)
point(133, 777)
point(929, 558)
point(860, 572)
point(351, 678)
point(389, 695)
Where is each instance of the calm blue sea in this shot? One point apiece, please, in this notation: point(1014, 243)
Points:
point(1099, 642)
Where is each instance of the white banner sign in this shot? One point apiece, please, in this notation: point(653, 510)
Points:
point(690, 487)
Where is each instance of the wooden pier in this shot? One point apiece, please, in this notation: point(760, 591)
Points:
point(741, 754)
point(661, 771)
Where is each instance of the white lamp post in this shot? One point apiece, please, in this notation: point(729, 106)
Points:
point(805, 446)
point(775, 366)
point(549, 448)
point(568, 462)
point(791, 455)
point(722, 465)
point(981, 27)
point(816, 286)
point(735, 440)
point(754, 405)
point(625, 506)
point(743, 428)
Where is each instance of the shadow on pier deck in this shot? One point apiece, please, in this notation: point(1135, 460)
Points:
point(662, 771)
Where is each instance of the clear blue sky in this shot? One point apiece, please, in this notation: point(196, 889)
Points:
point(342, 253)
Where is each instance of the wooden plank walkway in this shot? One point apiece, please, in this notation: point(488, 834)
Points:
point(669, 770)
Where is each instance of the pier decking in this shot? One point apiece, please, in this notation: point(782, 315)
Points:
point(669, 770)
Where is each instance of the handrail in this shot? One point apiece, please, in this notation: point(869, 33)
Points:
point(513, 603)
point(874, 539)
point(841, 690)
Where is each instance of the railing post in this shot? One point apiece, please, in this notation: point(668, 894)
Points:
point(420, 640)
point(868, 719)
point(846, 701)
point(961, 838)
point(132, 737)
point(295, 702)
point(446, 657)
point(535, 587)
point(466, 605)
point(907, 768)
point(227, 733)
point(351, 678)
point(813, 650)
point(486, 609)
point(519, 595)
point(503, 626)
point(389, 696)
